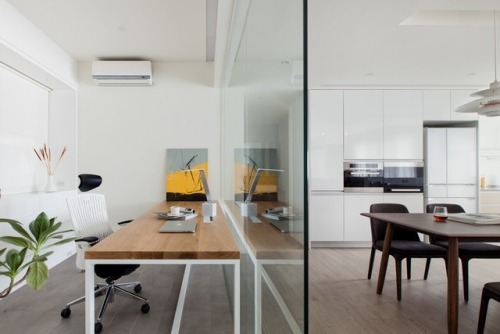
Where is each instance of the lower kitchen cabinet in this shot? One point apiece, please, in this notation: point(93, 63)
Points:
point(336, 217)
point(414, 202)
point(326, 216)
point(357, 227)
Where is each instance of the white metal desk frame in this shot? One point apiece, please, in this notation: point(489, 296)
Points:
point(90, 283)
point(260, 273)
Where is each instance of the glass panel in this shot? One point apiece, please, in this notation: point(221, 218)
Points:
point(264, 163)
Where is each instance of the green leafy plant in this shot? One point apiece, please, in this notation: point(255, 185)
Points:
point(30, 256)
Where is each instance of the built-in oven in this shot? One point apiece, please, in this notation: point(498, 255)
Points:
point(403, 177)
point(366, 177)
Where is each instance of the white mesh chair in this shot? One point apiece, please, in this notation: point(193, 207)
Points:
point(90, 222)
point(90, 219)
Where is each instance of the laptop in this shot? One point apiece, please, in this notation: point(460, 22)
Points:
point(178, 226)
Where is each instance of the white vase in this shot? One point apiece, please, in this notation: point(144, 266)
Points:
point(51, 185)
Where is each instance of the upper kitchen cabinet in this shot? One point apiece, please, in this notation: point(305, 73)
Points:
point(489, 135)
point(440, 104)
point(460, 97)
point(326, 139)
point(403, 124)
point(363, 124)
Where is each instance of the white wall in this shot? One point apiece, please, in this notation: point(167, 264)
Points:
point(123, 132)
point(24, 47)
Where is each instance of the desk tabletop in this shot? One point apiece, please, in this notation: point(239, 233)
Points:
point(265, 241)
point(424, 222)
point(140, 239)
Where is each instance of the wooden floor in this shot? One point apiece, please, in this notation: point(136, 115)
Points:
point(343, 300)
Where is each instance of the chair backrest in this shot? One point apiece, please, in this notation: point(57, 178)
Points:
point(378, 227)
point(452, 208)
point(89, 215)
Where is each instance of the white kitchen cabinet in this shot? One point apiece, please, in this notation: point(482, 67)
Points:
point(467, 203)
point(413, 202)
point(357, 227)
point(489, 134)
point(403, 124)
point(326, 216)
point(436, 104)
point(326, 138)
point(451, 156)
point(436, 162)
point(363, 124)
point(462, 156)
point(460, 97)
point(440, 104)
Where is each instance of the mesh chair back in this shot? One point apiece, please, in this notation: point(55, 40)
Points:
point(89, 215)
point(378, 227)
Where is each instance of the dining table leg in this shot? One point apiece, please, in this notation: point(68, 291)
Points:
point(385, 258)
point(453, 285)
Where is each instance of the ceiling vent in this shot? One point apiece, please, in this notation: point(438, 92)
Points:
point(122, 73)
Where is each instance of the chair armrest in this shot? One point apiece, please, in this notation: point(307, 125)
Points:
point(89, 240)
point(125, 222)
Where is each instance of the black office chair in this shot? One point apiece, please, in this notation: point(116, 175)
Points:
point(466, 250)
point(89, 216)
point(491, 290)
point(405, 244)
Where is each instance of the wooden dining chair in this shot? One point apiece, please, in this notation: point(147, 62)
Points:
point(466, 250)
point(406, 244)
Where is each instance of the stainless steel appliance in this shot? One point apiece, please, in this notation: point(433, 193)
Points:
point(366, 177)
point(403, 177)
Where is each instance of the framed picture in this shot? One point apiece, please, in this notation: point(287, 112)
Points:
point(183, 181)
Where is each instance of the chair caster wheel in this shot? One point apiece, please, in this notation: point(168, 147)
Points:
point(65, 313)
point(137, 288)
point(98, 327)
point(145, 308)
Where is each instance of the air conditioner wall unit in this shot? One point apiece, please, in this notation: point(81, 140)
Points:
point(122, 73)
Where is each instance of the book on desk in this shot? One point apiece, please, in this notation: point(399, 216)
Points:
point(475, 218)
point(183, 215)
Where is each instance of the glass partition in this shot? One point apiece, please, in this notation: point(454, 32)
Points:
point(263, 157)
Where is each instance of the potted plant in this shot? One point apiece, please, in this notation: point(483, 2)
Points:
point(30, 255)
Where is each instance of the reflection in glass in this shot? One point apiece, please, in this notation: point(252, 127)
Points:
point(264, 119)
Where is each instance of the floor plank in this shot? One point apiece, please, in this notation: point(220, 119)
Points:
point(343, 300)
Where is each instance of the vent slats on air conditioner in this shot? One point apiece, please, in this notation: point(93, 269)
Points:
point(122, 73)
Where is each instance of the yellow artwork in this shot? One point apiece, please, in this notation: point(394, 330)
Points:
point(183, 181)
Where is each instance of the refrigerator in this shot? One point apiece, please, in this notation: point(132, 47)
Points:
point(451, 166)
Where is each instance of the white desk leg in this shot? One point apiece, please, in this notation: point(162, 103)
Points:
point(258, 298)
point(237, 297)
point(176, 326)
point(89, 298)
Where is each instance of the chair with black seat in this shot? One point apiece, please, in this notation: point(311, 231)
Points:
point(406, 244)
point(491, 290)
point(90, 221)
point(466, 250)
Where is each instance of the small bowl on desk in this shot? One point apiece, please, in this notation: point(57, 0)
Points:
point(440, 214)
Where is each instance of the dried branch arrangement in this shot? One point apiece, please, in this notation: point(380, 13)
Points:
point(45, 155)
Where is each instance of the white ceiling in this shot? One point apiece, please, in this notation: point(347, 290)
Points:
point(351, 43)
point(361, 43)
point(157, 30)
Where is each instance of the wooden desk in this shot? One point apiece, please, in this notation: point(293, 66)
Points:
point(267, 246)
point(453, 231)
point(139, 242)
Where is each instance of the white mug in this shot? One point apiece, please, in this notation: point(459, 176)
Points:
point(176, 210)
